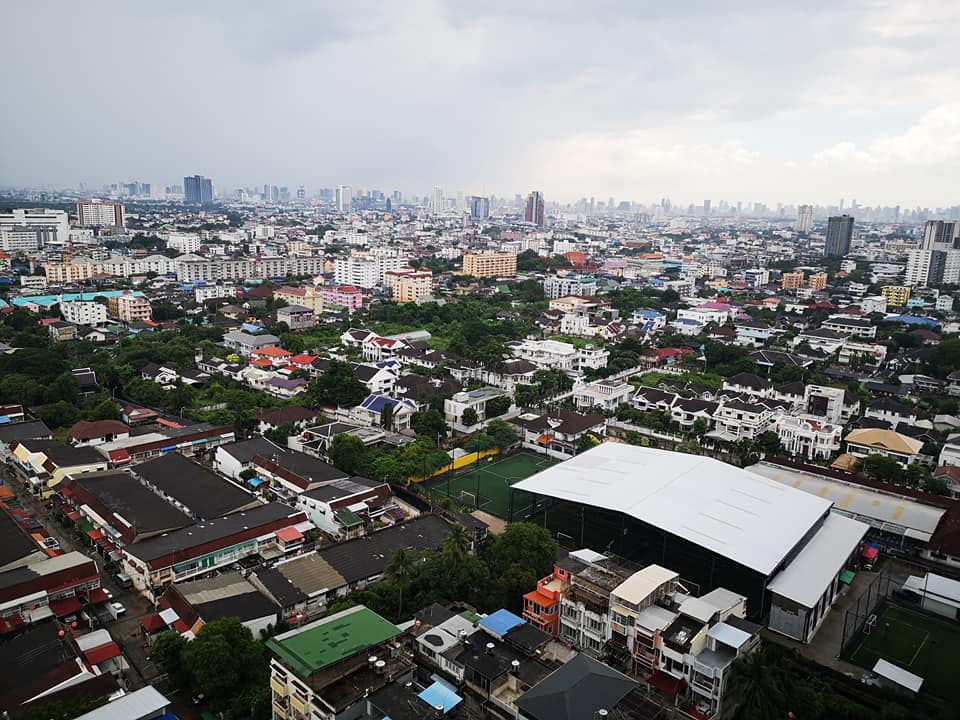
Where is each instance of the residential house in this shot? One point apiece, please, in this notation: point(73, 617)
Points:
point(43, 464)
point(875, 441)
point(370, 412)
point(603, 394)
point(97, 432)
point(476, 400)
point(558, 433)
point(296, 317)
point(350, 508)
point(244, 343)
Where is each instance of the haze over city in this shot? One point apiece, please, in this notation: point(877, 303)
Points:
point(779, 102)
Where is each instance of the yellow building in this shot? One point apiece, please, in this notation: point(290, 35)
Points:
point(66, 273)
point(307, 296)
point(490, 264)
point(792, 281)
point(896, 294)
point(817, 281)
point(411, 285)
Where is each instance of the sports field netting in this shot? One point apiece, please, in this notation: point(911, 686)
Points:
point(486, 485)
point(923, 644)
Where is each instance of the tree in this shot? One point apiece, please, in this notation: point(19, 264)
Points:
point(883, 468)
point(224, 659)
point(700, 427)
point(756, 687)
point(469, 417)
point(456, 543)
point(769, 443)
point(503, 434)
point(497, 406)
point(167, 652)
point(279, 435)
point(586, 441)
point(524, 544)
point(478, 442)
point(429, 423)
point(347, 453)
point(59, 414)
point(337, 386)
point(399, 571)
point(936, 485)
point(386, 416)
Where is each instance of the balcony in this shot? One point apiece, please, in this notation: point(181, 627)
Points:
point(279, 711)
point(279, 688)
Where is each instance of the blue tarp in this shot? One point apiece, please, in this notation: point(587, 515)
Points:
point(501, 622)
point(440, 694)
point(256, 481)
point(912, 320)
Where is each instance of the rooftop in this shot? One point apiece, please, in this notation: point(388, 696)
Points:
point(740, 515)
point(325, 642)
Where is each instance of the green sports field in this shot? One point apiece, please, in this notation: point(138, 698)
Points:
point(489, 482)
point(923, 644)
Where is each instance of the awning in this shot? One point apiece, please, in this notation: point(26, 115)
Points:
point(256, 481)
point(67, 606)
point(440, 695)
point(847, 576)
point(102, 653)
point(74, 515)
point(666, 682)
point(95, 535)
point(544, 439)
point(289, 535)
point(870, 552)
point(119, 457)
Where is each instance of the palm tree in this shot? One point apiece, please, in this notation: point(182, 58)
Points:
point(755, 687)
point(457, 543)
point(400, 570)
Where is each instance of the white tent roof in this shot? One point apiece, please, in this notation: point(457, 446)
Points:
point(898, 675)
point(935, 587)
point(144, 703)
point(811, 571)
point(636, 588)
point(739, 515)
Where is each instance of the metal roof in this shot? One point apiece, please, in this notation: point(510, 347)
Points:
point(144, 703)
point(813, 569)
point(737, 514)
point(892, 513)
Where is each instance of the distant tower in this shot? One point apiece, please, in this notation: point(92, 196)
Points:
point(479, 207)
point(197, 190)
point(804, 219)
point(436, 203)
point(839, 235)
point(301, 194)
point(344, 199)
point(534, 211)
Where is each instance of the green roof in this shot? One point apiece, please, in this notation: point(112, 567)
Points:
point(331, 639)
point(347, 517)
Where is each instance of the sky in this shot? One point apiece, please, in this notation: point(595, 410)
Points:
point(751, 100)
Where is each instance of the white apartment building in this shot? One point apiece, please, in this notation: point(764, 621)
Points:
point(84, 313)
point(184, 242)
point(873, 304)
point(97, 213)
point(557, 287)
point(366, 270)
point(19, 239)
point(202, 293)
point(51, 226)
point(547, 353)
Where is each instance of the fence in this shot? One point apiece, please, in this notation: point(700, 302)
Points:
point(459, 463)
point(876, 594)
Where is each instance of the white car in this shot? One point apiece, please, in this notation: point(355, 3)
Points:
point(117, 609)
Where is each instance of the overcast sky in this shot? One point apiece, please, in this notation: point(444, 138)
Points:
point(741, 100)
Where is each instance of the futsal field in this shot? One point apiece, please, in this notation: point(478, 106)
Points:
point(486, 485)
point(923, 644)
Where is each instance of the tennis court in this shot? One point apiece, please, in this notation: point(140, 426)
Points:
point(486, 485)
point(923, 644)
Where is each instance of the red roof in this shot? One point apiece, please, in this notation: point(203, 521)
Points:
point(180, 626)
point(102, 653)
point(153, 623)
point(10, 623)
point(301, 359)
point(272, 351)
point(119, 457)
point(667, 683)
point(289, 534)
point(97, 596)
point(67, 606)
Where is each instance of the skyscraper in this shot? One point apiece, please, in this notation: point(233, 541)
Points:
point(479, 207)
point(925, 268)
point(839, 235)
point(344, 198)
point(941, 235)
point(804, 219)
point(197, 190)
point(706, 208)
point(436, 202)
point(534, 212)
point(95, 213)
point(301, 194)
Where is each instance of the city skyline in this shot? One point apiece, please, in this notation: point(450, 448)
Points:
point(609, 120)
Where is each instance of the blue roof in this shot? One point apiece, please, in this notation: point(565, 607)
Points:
point(912, 320)
point(256, 481)
point(440, 694)
point(643, 312)
point(501, 622)
point(48, 300)
point(376, 403)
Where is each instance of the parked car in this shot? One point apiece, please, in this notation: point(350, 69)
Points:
point(117, 610)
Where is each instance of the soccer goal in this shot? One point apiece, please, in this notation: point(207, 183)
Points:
point(468, 498)
point(870, 624)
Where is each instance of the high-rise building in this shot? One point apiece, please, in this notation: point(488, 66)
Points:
point(804, 219)
point(941, 235)
point(534, 211)
point(32, 228)
point(301, 194)
point(344, 198)
point(197, 190)
point(96, 213)
point(839, 235)
point(479, 207)
point(817, 281)
point(436, 202)
point(706, 208)
point(925, 268)
point(791, 280)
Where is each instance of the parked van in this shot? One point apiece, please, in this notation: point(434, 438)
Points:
point(124, 580)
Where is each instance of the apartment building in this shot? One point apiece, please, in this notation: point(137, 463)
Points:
point(490, 264)
point(68, 273)
point(896, 295)
point(84, 313)
point(585, 602)
point(791, 281)
point(48, 226)
point(97, 213)
point(307, 296)
point(410, 285)
point(556, 286)
point(129, 307)
point(349, 297)
point(817, 281)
